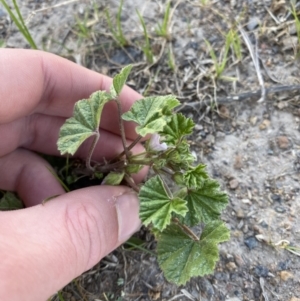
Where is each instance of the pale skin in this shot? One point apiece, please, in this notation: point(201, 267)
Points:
point(44, 247)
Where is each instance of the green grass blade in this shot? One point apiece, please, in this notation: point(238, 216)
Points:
point(147, 48)
point(19, 21)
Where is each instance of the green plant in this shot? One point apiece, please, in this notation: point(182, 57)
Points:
point(171, 211)
point(297, 21)
point(19, 21)
point(147, 47)
point(82, 29)
point(232, 40)
point(235, 42)
point(162, 29)
point(117, 30)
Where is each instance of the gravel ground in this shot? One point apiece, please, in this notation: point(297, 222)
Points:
point(251, 145)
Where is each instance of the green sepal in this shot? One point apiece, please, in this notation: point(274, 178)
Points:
point(157, 206)
point(84, 123)
point(113, 178)
point(181, 257)
point(151, 113)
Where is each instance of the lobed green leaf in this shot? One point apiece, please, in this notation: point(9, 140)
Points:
point(156, 206)
point(178, 127)
point(195, 176)
point(205, 204)
point(151, 113)
point(181, 257)
point(119, 80)
point(84, 123)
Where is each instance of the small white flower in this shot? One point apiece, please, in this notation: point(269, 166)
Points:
point(156, 145)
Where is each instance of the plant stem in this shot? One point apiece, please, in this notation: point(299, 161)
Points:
point(134, 143)
point(122, 130)
point(110, 167)
point(186, 229)
point(89, 156)
point(131, 183)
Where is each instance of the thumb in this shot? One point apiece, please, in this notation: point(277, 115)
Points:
point(42, 248)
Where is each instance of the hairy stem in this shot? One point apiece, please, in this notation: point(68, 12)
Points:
point(131, 183)
point(134, 143)
point(122, 130)
point(91, 150)
point(186, 229)
point(110, 166)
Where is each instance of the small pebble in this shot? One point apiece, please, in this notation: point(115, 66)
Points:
point(238, 162)
point(283, 142)
point(283, 265)
point(253, 23)
point(265, 124)
point(253, 120)
point(295, 299)
point(280, 209)
point(285, 275)
point(206, 287)
point(233, 299)
point(276, 198)
point(251, 242)
point(261, 271)
point(224, 112)
point(239, 213)
point(231, 266)
point(233, 184)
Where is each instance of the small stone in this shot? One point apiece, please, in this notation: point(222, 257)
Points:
point(224, 112)
point(231, 266)
point(239, 260)
point(265, 124)
point(251, 242)
point(210, 139)
point(295, 299)
point(198, 127)
point(283, 265)
point(221, 276)
point(276, 198)
point(285, 275)
point(253, 23)
point(220, 134)
point(253, 120)
point(239, 213)
point(261, 271)
point(238, 162)
point(233, 184)
point(282, 104)
point(280, 209)
point(206, 287)
point(283, 142)
point(233, 299)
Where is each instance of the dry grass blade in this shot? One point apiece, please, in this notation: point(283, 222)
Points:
point(254, 56)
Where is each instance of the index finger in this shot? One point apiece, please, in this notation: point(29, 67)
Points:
point(35, 81)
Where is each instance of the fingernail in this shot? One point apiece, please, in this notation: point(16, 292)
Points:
point(127, 206)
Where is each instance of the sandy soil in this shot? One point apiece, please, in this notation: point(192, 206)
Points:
point(252, 147)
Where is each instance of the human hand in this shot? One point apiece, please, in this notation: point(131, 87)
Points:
point(42, 248)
